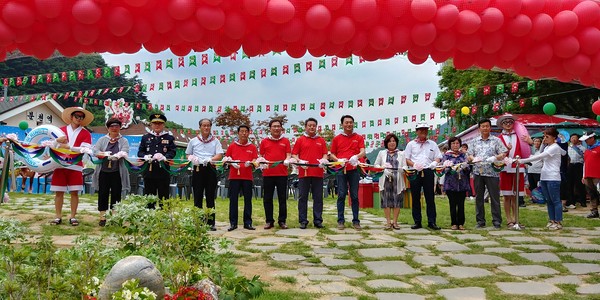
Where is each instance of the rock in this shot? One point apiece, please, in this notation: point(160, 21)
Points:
point(133, 267)
point(207, 287)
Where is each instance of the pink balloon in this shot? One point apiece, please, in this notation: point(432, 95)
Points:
point(85, 34)
point(292, 31)
point(142, 31)
point(234, 27)
point(541, 27)
point(588, 40)
point(533, 7)
point(492, 19)
point(469, 43)
point(445, 41)
point(363, 10)
point(48, 8)
point(468, 22)
point(519, 26)
point(446, 17)
point(423, 34)
point(17, 15)
point(318, 16)
point(566, 47)
point(280, 11)
point(86, 11)
point(577, 65)
point(380, 38)
point(190, 31)
point(587, 12)
point(401, 40)
point(398, 8)
point(255, 7)
point(211, 18)
point(342, 30)
point(509, 8)
point(492, 42)
point(120, 21)
point(423, 10)
point(539, 55)
point(565, 22)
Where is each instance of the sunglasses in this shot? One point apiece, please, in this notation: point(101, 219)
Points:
point(78, 116)
point(508, 122)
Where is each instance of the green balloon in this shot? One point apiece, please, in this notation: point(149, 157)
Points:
point(549, 108)
point(598, 119)
point(23, 125)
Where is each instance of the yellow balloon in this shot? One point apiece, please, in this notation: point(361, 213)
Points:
point(465, 110)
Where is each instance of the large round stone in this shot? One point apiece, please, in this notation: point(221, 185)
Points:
point(131, 267)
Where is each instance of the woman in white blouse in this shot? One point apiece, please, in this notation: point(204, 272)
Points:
point(550, 177)
point(391, 184)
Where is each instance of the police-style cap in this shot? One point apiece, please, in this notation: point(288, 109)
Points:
point(160, 118)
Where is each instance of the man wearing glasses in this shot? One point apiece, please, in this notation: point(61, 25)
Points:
point(70, 179)
point(156, 146)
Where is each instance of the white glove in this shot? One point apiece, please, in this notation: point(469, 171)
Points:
point(286, 162)
point(122, 154)
point(247, 164)
point(448, 164)
point(508, 161)
point(342, 160)
point(387, 165)
point(302, 161)
point(262, 163)
point(113, 157)
point(354, 160)
point(226, 159)
point(86, 150)
point(323, 162)
point(205, 161)
point(48, 143)
point(433, 164)
point(418, 167)
point(477, 159)
point(158, 157)
point(193, 159)
point(491, 159)
point(235, 165)
point(387, 173)
point(147, 157)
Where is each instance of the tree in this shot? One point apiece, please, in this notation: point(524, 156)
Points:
point(570, 99)
point(232, 118)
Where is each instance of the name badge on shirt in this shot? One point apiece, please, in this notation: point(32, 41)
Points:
point(164, 141)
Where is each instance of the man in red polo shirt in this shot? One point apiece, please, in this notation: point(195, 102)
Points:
point(311, 149)
point(348, 147)
point(275, 148)
point(240, 177)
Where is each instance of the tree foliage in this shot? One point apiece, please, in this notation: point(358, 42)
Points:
point(232, 118)
point(569, 98)
point(27, 66)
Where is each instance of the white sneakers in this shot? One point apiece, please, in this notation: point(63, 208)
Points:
point(571, 206)
point(555, 226)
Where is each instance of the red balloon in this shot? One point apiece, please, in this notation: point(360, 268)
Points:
point(492, 19)
point(333, 4)
point(588, 40)
point(380, 38)
point(492, 42)
point(363, 10)
point(69, 48)
point(446, 17)
point(342, 30)
point(398, 8)
point(280, 11)
point(486, 61)
point(532, 7)
point(255, 7)
point(423, 34)
point(539, 55)
point(468, 22)
point(136, 3)
point(566, 47)
point(463, 61)
point(423, 10)
point(156, 44)
point(577, 65)
point(587, 12)
point(322, 113)
point(85, 34)
point(401, 40)
point(142, 31)
point(416, 59)
point(292, 31)
point(318, 16)
point(120, 21)
point(86, 11)
point(439, 56)
point(519, 26)
point(235, 27)
point(17, 15)
point(541, 27)
point(445, 41)
point(182, 49)
point(190, 31)
point(509, 8)
point(313, 39)
point(162, 22)
point(252, 45)
point(296, 50)
point(57, 31)
point(358, 42)
point(48, 8)
point(211, 18)
point(7, 36)
point(469, 43)
point(596, 107)
point(565, 22)
point(181, 9)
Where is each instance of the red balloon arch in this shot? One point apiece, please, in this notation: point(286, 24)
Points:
point(535, 38)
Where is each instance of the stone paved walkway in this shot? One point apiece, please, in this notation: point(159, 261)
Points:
point(420, 264)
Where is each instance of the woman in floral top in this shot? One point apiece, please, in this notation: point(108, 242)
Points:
point(456, 182)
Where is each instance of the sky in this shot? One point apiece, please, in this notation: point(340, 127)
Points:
point(385, 78)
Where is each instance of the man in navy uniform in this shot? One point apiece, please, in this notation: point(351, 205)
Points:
point(156, 146)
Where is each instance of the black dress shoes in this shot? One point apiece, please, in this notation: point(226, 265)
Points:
point(213, 228)
point(269, 225)
point(282, 225)
point(232, 228)
point(433, 226)
point(416, 226)
point(249, 227)
point(319, 226)
point(303, 226)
